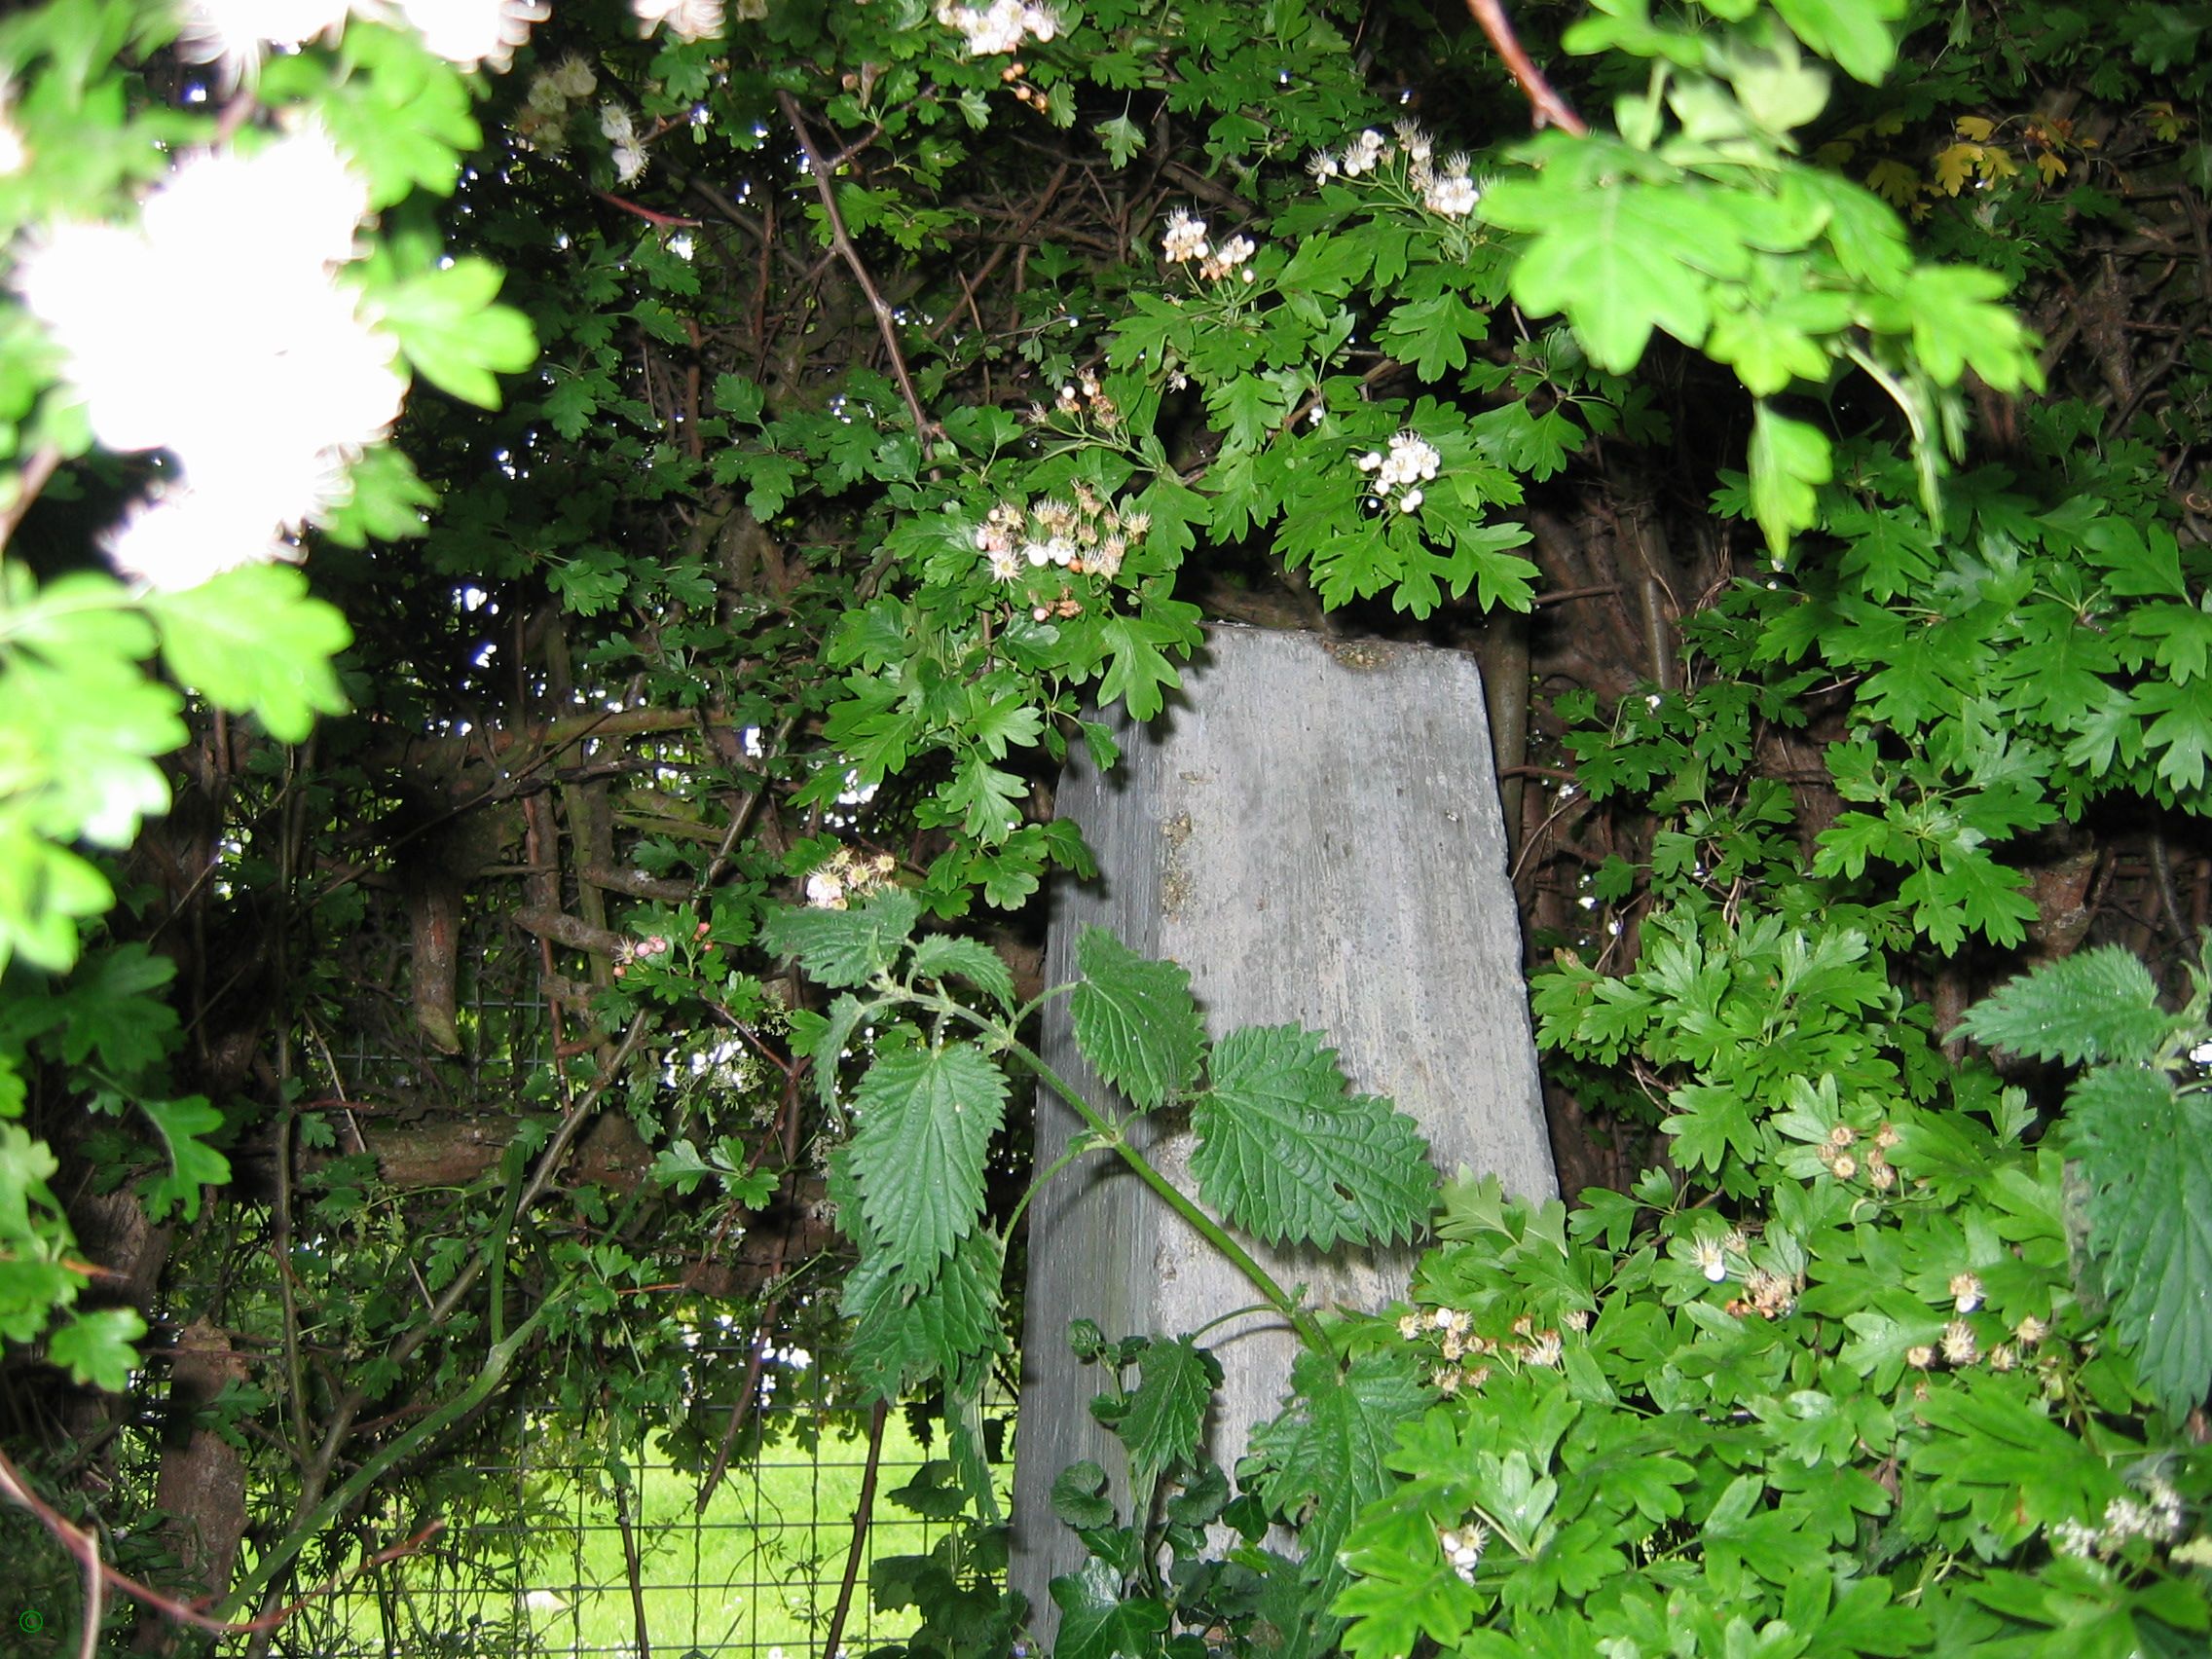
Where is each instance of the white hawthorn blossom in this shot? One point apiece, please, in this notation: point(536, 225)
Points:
point(474, 32)
point(621, 135)
point(234, 34)
point(1001, 26)
point(1410, 463)
point(685, 19)
point(1186, 237)
point(216, 330)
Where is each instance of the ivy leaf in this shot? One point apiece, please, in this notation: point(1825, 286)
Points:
point(2087, 1009)
point(2146, 1153)
point(925, 1118)
point(193, 1162)
point(1322, 1459)
point(96, 1349)
point(843, 949)
point(1285, 1153)
point(1135, 1020)
point(939, 955)
point(1095, 1623)
point(1079, 1496)
point(253, 640)
point(1167, 1415)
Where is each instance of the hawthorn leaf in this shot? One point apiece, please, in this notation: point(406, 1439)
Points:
point(95, 1348)
point(925, 1118)
point(1135, 1020)
point(1788, 459)
point(253, 640)
point(193, 1162)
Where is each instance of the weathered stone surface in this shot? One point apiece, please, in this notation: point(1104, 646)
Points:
point(1314, 834)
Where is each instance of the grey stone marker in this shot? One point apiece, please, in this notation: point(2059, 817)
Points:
point(1314, 831)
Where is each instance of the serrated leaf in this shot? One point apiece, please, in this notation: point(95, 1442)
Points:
point(193, 1162)
point(450, 328)
point(2146, 1154)
point(843, 949)
point(1286, 1153)
point(2091, 1007)
point(1323, 1458)
point(1167, 1414)
point(252, 640)
point(926, 1118)
point(902, 1337)
point(96, 1349)
point(942, 955)
point(1135, 1020)
point(1788, 459)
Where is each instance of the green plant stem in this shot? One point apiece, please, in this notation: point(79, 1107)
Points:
point(1109, 1135)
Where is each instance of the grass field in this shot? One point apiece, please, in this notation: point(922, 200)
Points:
point(756, 1576)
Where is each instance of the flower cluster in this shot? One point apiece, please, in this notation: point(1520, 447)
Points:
point(1001, 26)
point(1462, 1547)
point(1187, 242)
point(1398, 475)
point(235, 34)
point(1406, 160)
point(2156, 1516)
point(1846, 1165)
point(848, 875)
point(1460, 1343)
point(1090, 536)
point(685, 19)
point(542, 121)
point(1083, 400)
point(623, 142)
point(216, 330)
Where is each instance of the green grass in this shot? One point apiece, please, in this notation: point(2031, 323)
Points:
point(756, 1573)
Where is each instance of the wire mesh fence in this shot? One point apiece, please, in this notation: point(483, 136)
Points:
point(585, 1560)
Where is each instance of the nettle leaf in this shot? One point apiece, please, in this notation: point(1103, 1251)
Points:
point(2091, 1007)
point(1286, 1153)
point(903, 1336)
point(926, 1118)
point(1323, 1458)
point(2146, 1153)
point(193, 1162)
point(843, 949)
point(1135, 1020)
point(1167, 1415)
point(943, 955)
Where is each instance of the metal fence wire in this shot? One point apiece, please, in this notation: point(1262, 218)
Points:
point(544, 1558)
point(557, 1560)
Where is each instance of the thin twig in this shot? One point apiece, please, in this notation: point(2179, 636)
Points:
point(1548, 106)
point(886, 322)
point(863, 1509)
point(85, 1549)
point(29, 482)
point(665, 221)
